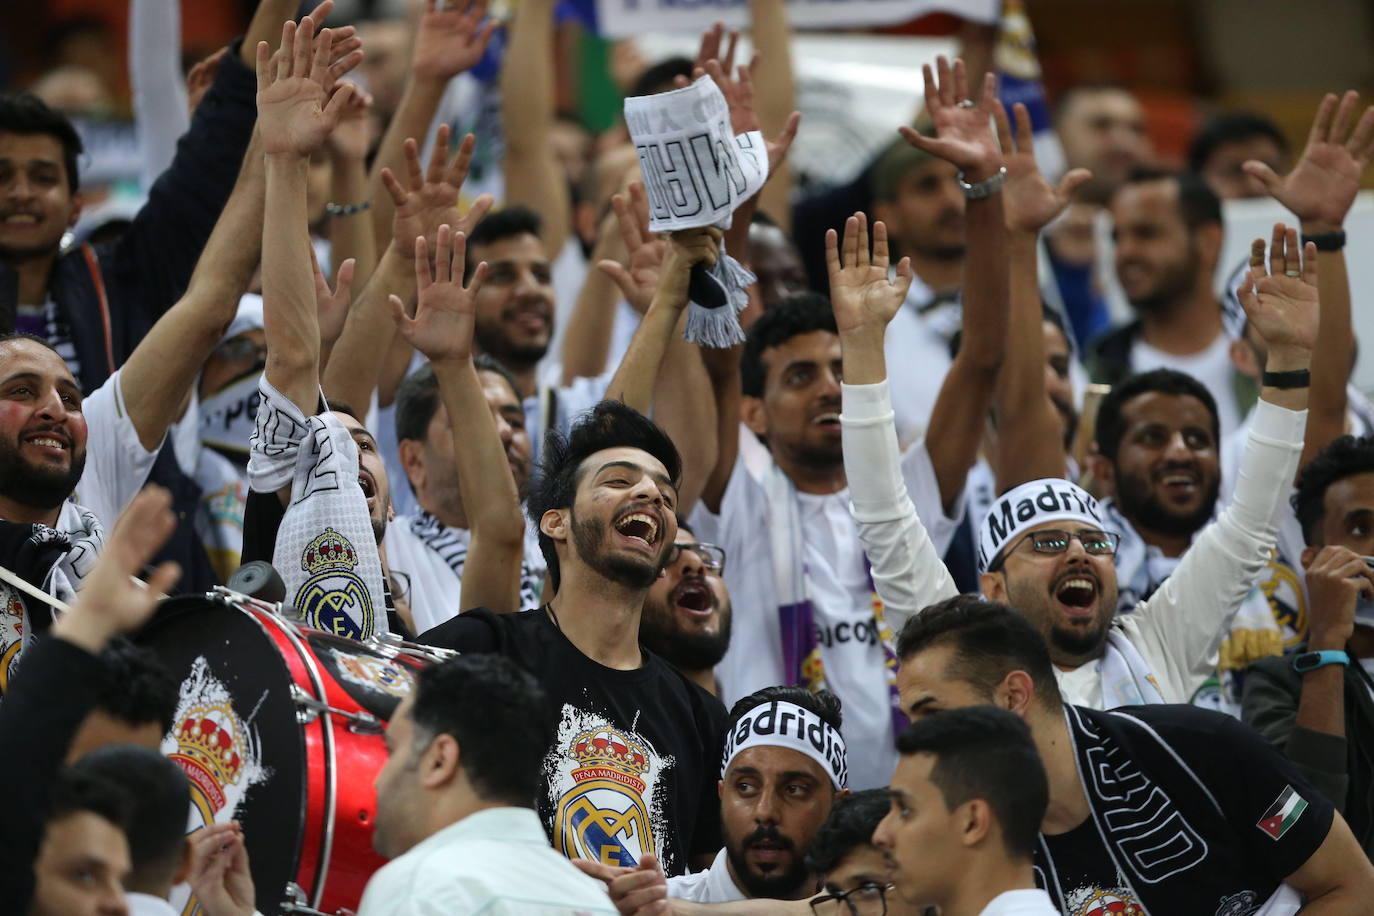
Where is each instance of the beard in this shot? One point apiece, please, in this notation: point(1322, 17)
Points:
point(37, 486)
point(1144, 510)
point(1175, 282)
point(662, 635)
point(1067, 645)
point(776, 886)
point(492, 340)
point(589, 540)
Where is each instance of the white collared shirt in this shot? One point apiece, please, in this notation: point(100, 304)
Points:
point(496, 862)
point(1028, 902)
point(714, 885)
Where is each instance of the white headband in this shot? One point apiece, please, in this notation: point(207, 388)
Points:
point(1031, 504)
point(782, 724)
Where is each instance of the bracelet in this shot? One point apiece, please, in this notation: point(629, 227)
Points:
point(985, 188)
point(346, 209)
point(1326, 241)
point(1311, 661)
point(1297, 378)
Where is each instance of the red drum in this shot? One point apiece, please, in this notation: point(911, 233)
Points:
point(280, 727)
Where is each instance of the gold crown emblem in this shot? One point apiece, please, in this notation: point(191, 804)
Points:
point(603, 747)
point(208, 740)
point(329, 551)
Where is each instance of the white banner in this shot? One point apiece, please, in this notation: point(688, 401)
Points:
point(696, 171)
point(632, 18)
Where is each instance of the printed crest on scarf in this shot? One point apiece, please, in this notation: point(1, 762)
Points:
point(334, 598)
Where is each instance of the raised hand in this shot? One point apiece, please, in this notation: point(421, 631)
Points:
point(332, 305)
point(862, 296)
point(295, 110)
point(351, 137)
point(963, 129)
point(445, 310)
point(686, 249)
point(1281, 302)
point(739, 95)
point(1336, 579)
point(1322, 186)
point(110, 601)
point(709, 49)
point(430, 198)
point(452, 40)
point(201, 77)
point(638, 282)
point(1029, 202)
point(219, 873)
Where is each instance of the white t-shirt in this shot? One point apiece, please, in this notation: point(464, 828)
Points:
point(1029, 902)
point(496, 862)
point(433, 554)
point(117, 464)
point(714, 885)
point(1212, 367)
point(850, 648)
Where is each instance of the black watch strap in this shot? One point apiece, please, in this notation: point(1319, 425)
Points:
point(1297, 378)
point(1327, 241)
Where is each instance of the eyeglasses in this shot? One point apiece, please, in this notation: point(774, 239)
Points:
point(711, 556)
point(1052, 541)
point(241, 349)
point(865, 900)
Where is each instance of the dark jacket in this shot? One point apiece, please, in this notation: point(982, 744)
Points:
point(1341, 768)
point(147, 269)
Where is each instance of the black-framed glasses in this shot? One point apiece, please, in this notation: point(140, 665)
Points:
point(712, 557)
point(1052, 541)
point(241, 349)
point(868, 899)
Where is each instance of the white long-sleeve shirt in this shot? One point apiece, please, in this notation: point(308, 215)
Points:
point(1176, 633)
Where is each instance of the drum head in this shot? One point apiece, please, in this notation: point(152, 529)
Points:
point(235, 732)
point(375, 682)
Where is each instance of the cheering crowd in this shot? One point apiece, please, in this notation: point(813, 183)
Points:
point(869, 610)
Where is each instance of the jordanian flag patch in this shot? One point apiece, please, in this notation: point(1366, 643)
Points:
point(1283, 813)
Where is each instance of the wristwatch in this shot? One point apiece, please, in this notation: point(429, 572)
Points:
point(985, 188)
point(1304, 662)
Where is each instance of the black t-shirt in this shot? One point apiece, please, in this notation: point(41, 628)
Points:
point(634, 765)
point(1193, 812)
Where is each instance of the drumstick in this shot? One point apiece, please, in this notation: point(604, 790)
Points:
point(20, 583)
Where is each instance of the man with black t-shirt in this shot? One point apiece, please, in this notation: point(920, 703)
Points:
point(1167, 809)
point(632, 772)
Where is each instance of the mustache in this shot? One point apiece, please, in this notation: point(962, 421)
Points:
point(770, 833)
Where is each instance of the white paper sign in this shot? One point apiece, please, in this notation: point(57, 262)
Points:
point(631, 18)
point(696, 171)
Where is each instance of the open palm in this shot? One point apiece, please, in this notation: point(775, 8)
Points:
point(1323, 185)
point(295, 115)
point(963, 130)
point(1029, 202)
point(445, 310)
point(1282, 308)
point(861, 294)
point(429, 198)
point(452, 40)
point(638, 281)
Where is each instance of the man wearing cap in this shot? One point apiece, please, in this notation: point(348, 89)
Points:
point(783, 768)
point(1043, 549)
point(1317, 705)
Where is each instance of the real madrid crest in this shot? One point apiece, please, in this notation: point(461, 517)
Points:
point(603, 816)
point(334, 599)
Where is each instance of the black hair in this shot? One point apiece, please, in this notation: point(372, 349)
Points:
point(988, 753)
point(334, 405)
point(1198, 204)
point(485, 362)
point(822, 703)
point(1111, 424)
point(1342, 458)
point(159, 796)
point(75, 791)
point(139, 688)
point(849, 826)
point(499, 225)
point(659, 77)
point(990, 640)
point(417, 401)
point(500, 717)
point(798, 314)
point(610, 424)
point(26, 114)
point(683, 524)
point(1230, 127)
point(24, 335)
